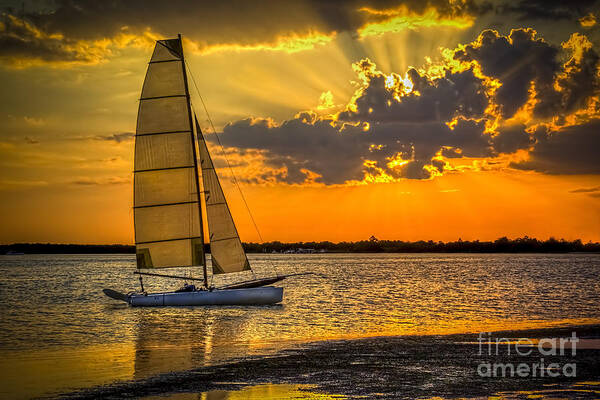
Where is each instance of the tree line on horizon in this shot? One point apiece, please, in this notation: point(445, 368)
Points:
point(372, 245)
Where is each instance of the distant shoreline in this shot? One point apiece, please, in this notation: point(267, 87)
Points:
point(502, 245)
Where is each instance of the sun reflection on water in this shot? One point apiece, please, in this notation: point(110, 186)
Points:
point(63, 333)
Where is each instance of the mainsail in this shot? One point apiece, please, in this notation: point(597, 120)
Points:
point(226, 251)
point(167, 217)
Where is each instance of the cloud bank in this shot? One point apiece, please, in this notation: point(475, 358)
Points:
point(88, 31)
point(69, 32)
point(496, 96)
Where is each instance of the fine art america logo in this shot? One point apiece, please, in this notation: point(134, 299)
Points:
point(535, 367)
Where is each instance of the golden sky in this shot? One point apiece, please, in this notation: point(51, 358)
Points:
point(401, 119)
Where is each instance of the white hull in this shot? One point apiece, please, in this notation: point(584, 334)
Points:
point(252, 296)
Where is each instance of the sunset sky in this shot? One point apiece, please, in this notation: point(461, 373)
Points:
point(342, 119)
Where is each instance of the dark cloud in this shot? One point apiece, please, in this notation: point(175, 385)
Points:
point(526, 66)
point(117, 137)
point(512, 138)
point(303, 143)
point(21, 41)
point(581, 80)
point(420, 142)
point(208, 23)
point(338, 152)
point(586, 190)
point(400, 126)
point(592, 192)
point(439, 99)
point(83, 182)
point(547, 9)
point(52, 33)
point(101, 181)
point(578, 80)
point(516, 61)
point(451, 152)
point(571, 150)
point(218, 21)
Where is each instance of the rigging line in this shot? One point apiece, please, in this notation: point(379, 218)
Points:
point(226, 159)
point(191, 213)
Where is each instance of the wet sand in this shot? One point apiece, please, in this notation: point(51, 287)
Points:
point(386, 367)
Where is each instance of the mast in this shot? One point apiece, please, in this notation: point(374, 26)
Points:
point(193, 138)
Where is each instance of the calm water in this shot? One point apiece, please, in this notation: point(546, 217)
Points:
point(303, 392)
point(58, 331)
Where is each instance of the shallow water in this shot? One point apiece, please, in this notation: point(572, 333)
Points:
point(256, 392)
point(584, 390)
point(60, 332)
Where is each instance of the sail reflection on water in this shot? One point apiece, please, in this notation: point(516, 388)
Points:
point(184, 339)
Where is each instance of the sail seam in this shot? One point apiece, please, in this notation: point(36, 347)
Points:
point(161, 133)
point(167, 204)
point(170, 266)
point(172, 50)
point(162, 97)
point(216, 204)
point(162, 61)
point(163, 169)
point(168, 240)
point(227, 238)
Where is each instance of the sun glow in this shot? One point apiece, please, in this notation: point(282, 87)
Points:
point(292, 43)
point(401, 85)
point(401, 18)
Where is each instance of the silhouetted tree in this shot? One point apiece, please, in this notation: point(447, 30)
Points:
point(501, 245)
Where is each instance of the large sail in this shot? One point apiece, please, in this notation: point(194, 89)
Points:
point(227, 253)
point(167, 216)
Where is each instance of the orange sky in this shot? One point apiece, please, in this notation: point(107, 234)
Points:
point(479, 205)
point(66, 151)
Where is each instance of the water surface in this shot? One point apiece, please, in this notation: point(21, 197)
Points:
point(60, 332)
point(584, 390)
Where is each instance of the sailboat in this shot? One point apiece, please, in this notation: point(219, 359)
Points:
point(171, 159)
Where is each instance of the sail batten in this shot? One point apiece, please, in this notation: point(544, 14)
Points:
point(160, 133)
point(164, 169)
point(167, 221)
point(169, 240)
point(167, 204)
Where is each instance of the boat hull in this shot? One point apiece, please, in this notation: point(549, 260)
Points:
point(252, 296)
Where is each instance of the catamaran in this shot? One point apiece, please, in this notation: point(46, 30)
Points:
point(171, 159)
